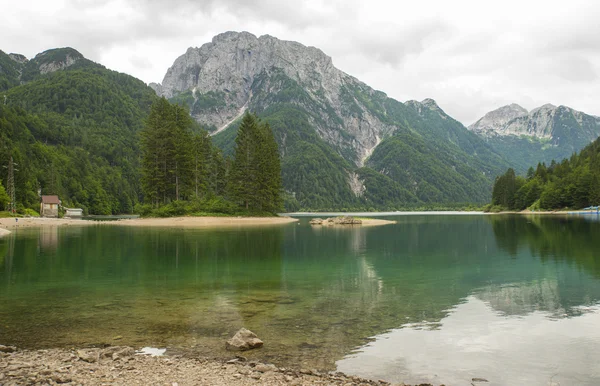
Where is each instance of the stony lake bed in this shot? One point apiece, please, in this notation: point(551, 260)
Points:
point(440, 299)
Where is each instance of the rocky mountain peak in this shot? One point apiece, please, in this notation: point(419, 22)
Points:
point(232, 60)
point(428, 104)
point(21, 59)
point(495, 121)
point(547, 108)
point(56, 59)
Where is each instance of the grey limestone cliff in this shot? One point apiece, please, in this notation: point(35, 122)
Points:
point(237, 71)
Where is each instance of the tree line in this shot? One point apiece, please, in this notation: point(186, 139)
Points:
point(182, 171)
point(572, 183)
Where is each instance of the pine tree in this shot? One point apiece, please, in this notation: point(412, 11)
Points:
point(201, 155)
point(167, 154)
point(243, 183)
point(269, 166)
point(255, 176)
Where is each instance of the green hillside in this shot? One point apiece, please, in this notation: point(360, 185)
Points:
point(74, 132)
point(572, 183)
point(429, 158)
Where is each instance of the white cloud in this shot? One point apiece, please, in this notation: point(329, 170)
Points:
point(471, 56)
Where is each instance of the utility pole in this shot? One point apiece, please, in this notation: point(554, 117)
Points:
point(10, 186)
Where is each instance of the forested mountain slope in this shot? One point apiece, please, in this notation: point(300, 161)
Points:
point(71, 125)
point(572, 183)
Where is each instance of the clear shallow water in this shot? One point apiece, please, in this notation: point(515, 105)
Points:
point(441, 298)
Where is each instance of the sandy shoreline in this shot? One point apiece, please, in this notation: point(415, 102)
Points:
point(369, 222)
point(202, 222)
point(181, 222)
point(122, 366)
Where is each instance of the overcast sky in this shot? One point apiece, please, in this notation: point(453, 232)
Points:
point(470, 56)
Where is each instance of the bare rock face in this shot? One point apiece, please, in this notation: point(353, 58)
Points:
point(497, 120)
point(21, 59)
point(243, 340)
point(237, 71)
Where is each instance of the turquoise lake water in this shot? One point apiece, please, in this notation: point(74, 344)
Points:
point(433, 298)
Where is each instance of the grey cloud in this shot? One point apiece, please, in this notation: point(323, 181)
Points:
point(392, 44)
point(294, 15)
point(575, 69)
point(140, 62)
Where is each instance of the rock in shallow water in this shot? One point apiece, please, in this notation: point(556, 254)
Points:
point(243, 340)
point(7, 349)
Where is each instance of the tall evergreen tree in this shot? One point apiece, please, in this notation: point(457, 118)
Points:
point(167, 154)
point(243, 183)
point(269, 177)
point(255, 177)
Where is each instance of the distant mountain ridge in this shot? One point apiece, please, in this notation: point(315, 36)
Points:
point(543, 134)
point(542, 122)
point(16, 69)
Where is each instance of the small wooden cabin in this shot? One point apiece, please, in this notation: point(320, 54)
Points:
point(49, 206)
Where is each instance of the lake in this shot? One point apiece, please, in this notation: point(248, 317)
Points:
point(434, 298)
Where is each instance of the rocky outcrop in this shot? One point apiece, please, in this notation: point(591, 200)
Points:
point(243, 340)
point(497, 120)
point(341, 220)
point(56, 59)
point(427, 103)
point(21, 59)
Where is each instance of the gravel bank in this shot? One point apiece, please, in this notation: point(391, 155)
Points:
point(122, 366)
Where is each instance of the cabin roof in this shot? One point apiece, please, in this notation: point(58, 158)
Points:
point(50, 200)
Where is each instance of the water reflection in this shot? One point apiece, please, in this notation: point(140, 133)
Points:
point(474, 341)
point(528, 314)
point(312, 294)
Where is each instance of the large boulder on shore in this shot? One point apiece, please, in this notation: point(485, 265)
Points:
point(243, 340)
